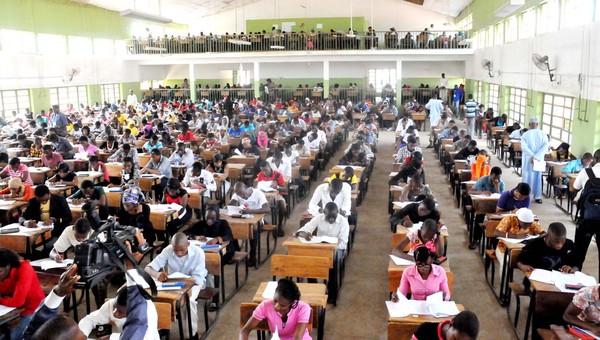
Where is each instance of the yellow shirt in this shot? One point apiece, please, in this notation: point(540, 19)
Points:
point(122, 119)
point(510, 224)
point(134, 131)
point(45, 211)
point(338, 175)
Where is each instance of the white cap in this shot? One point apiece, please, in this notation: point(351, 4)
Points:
point(525, 215)
point(534, 120)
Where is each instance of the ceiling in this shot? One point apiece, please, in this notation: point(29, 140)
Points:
point(190, 10)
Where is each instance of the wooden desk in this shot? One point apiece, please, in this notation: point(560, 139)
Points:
point(60, 189)
point(39, 174)
point(94, 176)
point(248, 161)
point(7, 209)
point(17, 152)
point(235, 171)
point(178, 169)
point(24, 242)
point(395, 275)
point(178, 298)
point(160, 214)
point(242, 228)
point(547, 302)
point(315, 294)
point(404, 328)
point(511, 254)
point(358, 170)
point(30, 161)
point(7, 319)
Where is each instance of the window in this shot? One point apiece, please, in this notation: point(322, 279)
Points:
point(52, 44)
point(493, 96)
point(490, 36)
point(110, 93)
point(481, 39)
point(242, 77)
point(63, 96)
point(527, 24)
point(480, 92)
point(576, 12)
point(548, 17)
point(14, 100)
point(17, 41)
point(80, 45)
point(381, 77)
point(516, 109)
point(499, 34)
point(511, 29)
point(466, 24)
point(557, 117)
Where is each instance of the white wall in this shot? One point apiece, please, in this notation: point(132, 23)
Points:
point(433, 69)
point(571, 51)
point(382, 15)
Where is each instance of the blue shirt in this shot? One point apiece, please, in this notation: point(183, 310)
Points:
point(573, 166)
point(507, 201)
point(484, 184)
point(192, 264)
point(457, 95)
point(235, 133)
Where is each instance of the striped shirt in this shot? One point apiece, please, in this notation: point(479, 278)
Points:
point(471, 107)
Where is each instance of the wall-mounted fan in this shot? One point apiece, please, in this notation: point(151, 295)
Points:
point(488, 66)
point(543, 64)
point(70, 74)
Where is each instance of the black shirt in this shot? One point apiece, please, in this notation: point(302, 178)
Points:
point(141, 220)
point(412, 211)
point(220, 229)
point(404, 173)
point(429, 331)
point(538, 255)
point(465, 153)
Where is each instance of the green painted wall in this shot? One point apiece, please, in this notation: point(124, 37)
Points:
point(483, 11)
point(135, 86)
point(306, 24)
point(432, 82)
point(40, 99)
point(94, 94)
point(66, 17)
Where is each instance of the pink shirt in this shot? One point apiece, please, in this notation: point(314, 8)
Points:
point(420, 289)
point(20, 170)
point(91, 150)
point(300, 314)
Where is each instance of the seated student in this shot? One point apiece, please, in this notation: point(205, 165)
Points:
point(423, 278)
point(415, 213)
point(450, 132)
point(19, 288)
point(290, 154)
point(98, 166)
point(407, 171)
point(577, 165)
point(141, 313)
point(407, 150)
point(64, 176)
point(284, 313)
point(186, 135)
point(174, 193)
point(491, 184)
point(179, 257)
point(464, 326)
point(364, 146)
point(216, 228)
point(110, 146)
point(470, 150)
point(17, 191)
point(128, 137)
point(198, 178)
point(50, 158)
point(252, 201)
point(124, 151)
point(152, 144)
point(15, 169)
point(279, 164)
point(551, 252)
point(210, 142)
point(513, 200)
point(415, 190)
point(481, 166)
point(462, 142)
point(561, 154)
point(158, 165)
point(91, 194)
point(37, 148)
point(584, 311)
point(47, 208)
point(428, 235)
point(354, 157)
point(520, 225)
point(311, 141)
point(267, 174)
point(130, 174)
point(182, 156)
point(136, 213)
point(247, 148)
point(235, 130)
point(334, 191)
point(347, 176)
point(86, 147)
point(61, 145)
point(301, 147)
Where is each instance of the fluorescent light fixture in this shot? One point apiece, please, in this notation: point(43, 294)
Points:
point(239, 42)
point(135, 14)
point(508, 8)
point(277, 47)
point(351, 35)
point(155, 49)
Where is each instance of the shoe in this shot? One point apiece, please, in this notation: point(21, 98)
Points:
point(538, 201)
point(429, 147)
point(280, 233)
point(251, 261)
point(472, 246)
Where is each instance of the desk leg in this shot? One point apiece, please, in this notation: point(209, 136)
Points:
point(179, 318)
point(189, 313)
point(75, 314)
point(333, 281)
point(504, 295)
point(321, 323)
point(529, 324)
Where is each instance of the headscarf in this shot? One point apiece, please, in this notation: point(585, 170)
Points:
point(133, 195)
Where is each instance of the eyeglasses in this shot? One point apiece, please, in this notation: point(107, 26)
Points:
point(423, 265)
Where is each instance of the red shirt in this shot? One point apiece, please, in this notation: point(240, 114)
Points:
point(277, 177)
point(22, 288)
point(188, 136)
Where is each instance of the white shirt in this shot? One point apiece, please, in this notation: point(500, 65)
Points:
point(343, 200)
point(187, 159)
point(192, 264)
point(104, 316)
point(67, 240)
point(443, 82)
point(401, 127)
point(311, 145)
point(132, 100)
point(285, 167)
point(206, 178)
point(293, 158)
point(254, 202)
point(582, 177)
point(339, 228)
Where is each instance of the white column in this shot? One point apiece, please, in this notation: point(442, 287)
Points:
point(256, 78)
point(325, 78)
point(192, 82)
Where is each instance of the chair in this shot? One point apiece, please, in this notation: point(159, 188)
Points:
point(163, 310)
point(114, 170)
point(271, 231)
point(300, 266)
point(213, 266)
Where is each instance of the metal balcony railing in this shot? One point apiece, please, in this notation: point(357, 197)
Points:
point(390, 40)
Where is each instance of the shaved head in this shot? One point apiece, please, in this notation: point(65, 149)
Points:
point(60, 328)
point(179, 239)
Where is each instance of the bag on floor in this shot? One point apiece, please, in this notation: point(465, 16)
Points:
point(589, 201)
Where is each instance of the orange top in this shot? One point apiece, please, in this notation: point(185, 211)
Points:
point(26, 190)
point(479, 168)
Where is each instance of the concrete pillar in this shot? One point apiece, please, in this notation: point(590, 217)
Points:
point(398, 79)
point(192, 82)
point(256, 78)
point(326, 79)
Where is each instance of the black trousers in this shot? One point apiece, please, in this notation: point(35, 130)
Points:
point(583, 236)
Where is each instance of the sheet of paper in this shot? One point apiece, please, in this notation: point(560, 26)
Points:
point(541, 275)
point(41, 225)
point(5, 310)
point(396, 309)
point(265, 186)
point(401, 205)
point(233, 210)
point(7, 202)
point(435, 298)
point(238, 152)
point(578, 278)
point(492, 196)
point(511, 240)
point(443, 309)
point(46, 264)
point(200, 243)
point(539, 165)
point(270, 290)
point(320, 239)
point(400, 261)
point(178, 275)
point(175, 206)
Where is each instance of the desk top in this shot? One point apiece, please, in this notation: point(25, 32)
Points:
point(295, 242)
point(237, 220)
point(419, 319)
point(13, 314)
point(392, 267)
point(311, 293)
point(14, 205)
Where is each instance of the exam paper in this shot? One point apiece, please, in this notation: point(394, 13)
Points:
point(178, 275)
point(265, 186)
point(5, 310)
point(539, 165)
point(400, 261)
point(320, 239)
point(269, 291)
point(46, 264)
point(484, 196)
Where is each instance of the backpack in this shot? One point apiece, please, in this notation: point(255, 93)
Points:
point(589, 201)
